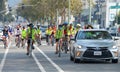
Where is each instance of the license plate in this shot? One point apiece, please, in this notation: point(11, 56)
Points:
point(97, 53)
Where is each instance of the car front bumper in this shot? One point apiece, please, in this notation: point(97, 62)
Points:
point(89, 54)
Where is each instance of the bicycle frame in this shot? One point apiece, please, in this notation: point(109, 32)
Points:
point(4, 41)
point(59, 49)
point(30, 47)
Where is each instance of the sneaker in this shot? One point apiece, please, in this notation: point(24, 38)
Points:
point(56, 52)
point(27, 53)
point(33, 47)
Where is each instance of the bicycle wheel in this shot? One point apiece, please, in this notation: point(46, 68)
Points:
point(59, 51)
point(18, 43)
point(30, 48)
point(66, 46)
point(4, 44)
point(52, 41)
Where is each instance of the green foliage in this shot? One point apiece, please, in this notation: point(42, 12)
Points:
point(2, 7)
point(47, 9)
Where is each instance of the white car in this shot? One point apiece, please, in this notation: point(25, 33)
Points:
point(43, 29)
point(93, 44)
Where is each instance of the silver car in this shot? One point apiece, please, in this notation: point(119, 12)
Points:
point(93, 44)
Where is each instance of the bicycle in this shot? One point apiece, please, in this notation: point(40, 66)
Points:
point(38, 40)
point(30, 47)
point(18, 41)
point(65, 44)
point(59, 47)
point(23, 43)
point(4, 41)
point(52, 39)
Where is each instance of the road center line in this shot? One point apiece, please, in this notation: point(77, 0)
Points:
point(55, 65)
point(38, 63)
point(4, 58)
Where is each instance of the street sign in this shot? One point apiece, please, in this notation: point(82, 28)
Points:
point(114, 7)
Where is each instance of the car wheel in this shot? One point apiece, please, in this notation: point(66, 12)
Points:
point(76, 60)
point(71, 58)
point(114, 60)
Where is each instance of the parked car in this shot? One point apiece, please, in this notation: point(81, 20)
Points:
point(43, 29)
point(93, 44)
point(1, 33)
point(113, 31)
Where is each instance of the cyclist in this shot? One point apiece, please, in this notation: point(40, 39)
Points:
point(58, 36)
point(38, 34)
point(78, 27)
point(48, 34)
point(53, 34)
point(5, 35)
point(66, 36)
point(30, 34)
point(89, 27)
point(23, 35)
point(18, 35)
point(10, 29)
point(70, 30)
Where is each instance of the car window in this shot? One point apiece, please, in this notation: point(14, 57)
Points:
point(94, 35)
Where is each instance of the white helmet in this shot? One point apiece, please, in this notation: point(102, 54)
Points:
point(78, 25)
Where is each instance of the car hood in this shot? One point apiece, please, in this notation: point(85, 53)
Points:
point(95, 43)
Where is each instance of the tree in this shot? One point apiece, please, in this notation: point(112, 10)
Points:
point(2, 7)
point(47, 9)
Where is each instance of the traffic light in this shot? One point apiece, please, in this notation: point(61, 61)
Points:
point(22, 6)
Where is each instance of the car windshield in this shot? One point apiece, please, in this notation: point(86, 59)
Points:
point(93, 35)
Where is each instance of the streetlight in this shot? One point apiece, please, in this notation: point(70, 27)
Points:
point(116, 24)
point(69, 12)
point(89, 11)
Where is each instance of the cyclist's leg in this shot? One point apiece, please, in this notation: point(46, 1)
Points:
point(22, 42)
point(57, 43)
point(19, 41)
point(40, 39)
point(16, 40)
point(33, 41)
point(28, 46)
point(47, 39)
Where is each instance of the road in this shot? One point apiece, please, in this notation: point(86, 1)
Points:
point(44, 59)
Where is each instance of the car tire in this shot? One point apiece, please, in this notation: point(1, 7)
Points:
point(114, 60)
point(76, 60)
point(71, 58)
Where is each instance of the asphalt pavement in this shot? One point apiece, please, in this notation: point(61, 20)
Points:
point(44, 59)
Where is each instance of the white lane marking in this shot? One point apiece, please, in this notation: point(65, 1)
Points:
point(55, 65)
point(38, 63)
point(1, 45)
point(46, 44)
point(4, 58)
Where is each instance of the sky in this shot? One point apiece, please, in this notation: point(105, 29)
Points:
point(12, 3)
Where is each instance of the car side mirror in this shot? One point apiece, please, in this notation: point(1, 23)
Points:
point(116, 38)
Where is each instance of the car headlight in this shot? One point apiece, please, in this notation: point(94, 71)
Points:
point(79, 46)
point(114, 46)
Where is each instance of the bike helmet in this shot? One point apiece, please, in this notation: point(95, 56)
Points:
point(31, 25)
point(78, 25)
point(65, 23)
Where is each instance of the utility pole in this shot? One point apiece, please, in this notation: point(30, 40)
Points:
point(116, 24)
point(69, 12)
point(89, 11)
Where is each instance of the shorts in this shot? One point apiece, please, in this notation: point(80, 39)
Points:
point(28, 41)
point(57, 40)
point(6, 35)
point(17, 35)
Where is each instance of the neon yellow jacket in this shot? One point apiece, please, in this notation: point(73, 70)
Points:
point(34, 32)
point(23, 35)
point(48, 31)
